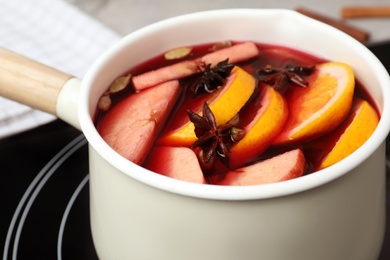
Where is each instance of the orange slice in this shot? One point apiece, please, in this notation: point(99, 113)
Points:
point(272, 112)
point(225, 104)
point(350, 135)
point(320, 107)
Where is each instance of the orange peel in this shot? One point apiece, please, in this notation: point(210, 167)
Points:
point(350, 135)
point(320, 107)
point(263, 128)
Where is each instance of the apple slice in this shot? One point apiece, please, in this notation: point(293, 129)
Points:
point(266, 124)
point(285, 166)
point(131, 126)
point(236, 53)
point(176, 162)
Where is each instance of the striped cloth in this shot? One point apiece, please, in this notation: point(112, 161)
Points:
point(55, 33)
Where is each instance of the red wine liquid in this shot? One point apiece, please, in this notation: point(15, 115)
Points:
point(276, 56)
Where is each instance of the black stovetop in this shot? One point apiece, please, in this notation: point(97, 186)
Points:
point(44, 192)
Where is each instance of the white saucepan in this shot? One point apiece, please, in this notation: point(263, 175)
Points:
point(336, 213)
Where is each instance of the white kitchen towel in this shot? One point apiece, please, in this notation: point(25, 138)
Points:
point(53, 32)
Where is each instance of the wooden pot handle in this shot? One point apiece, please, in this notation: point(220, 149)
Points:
point(30, 82)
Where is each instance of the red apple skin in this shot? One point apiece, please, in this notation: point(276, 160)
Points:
point(176, 162)
point(131, 126)
point(285, 166)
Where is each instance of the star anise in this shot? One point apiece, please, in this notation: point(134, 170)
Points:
point(213, 140)
point(280, 78)
point(209, 79)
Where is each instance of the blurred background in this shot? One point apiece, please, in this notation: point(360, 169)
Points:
point(125, 16)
